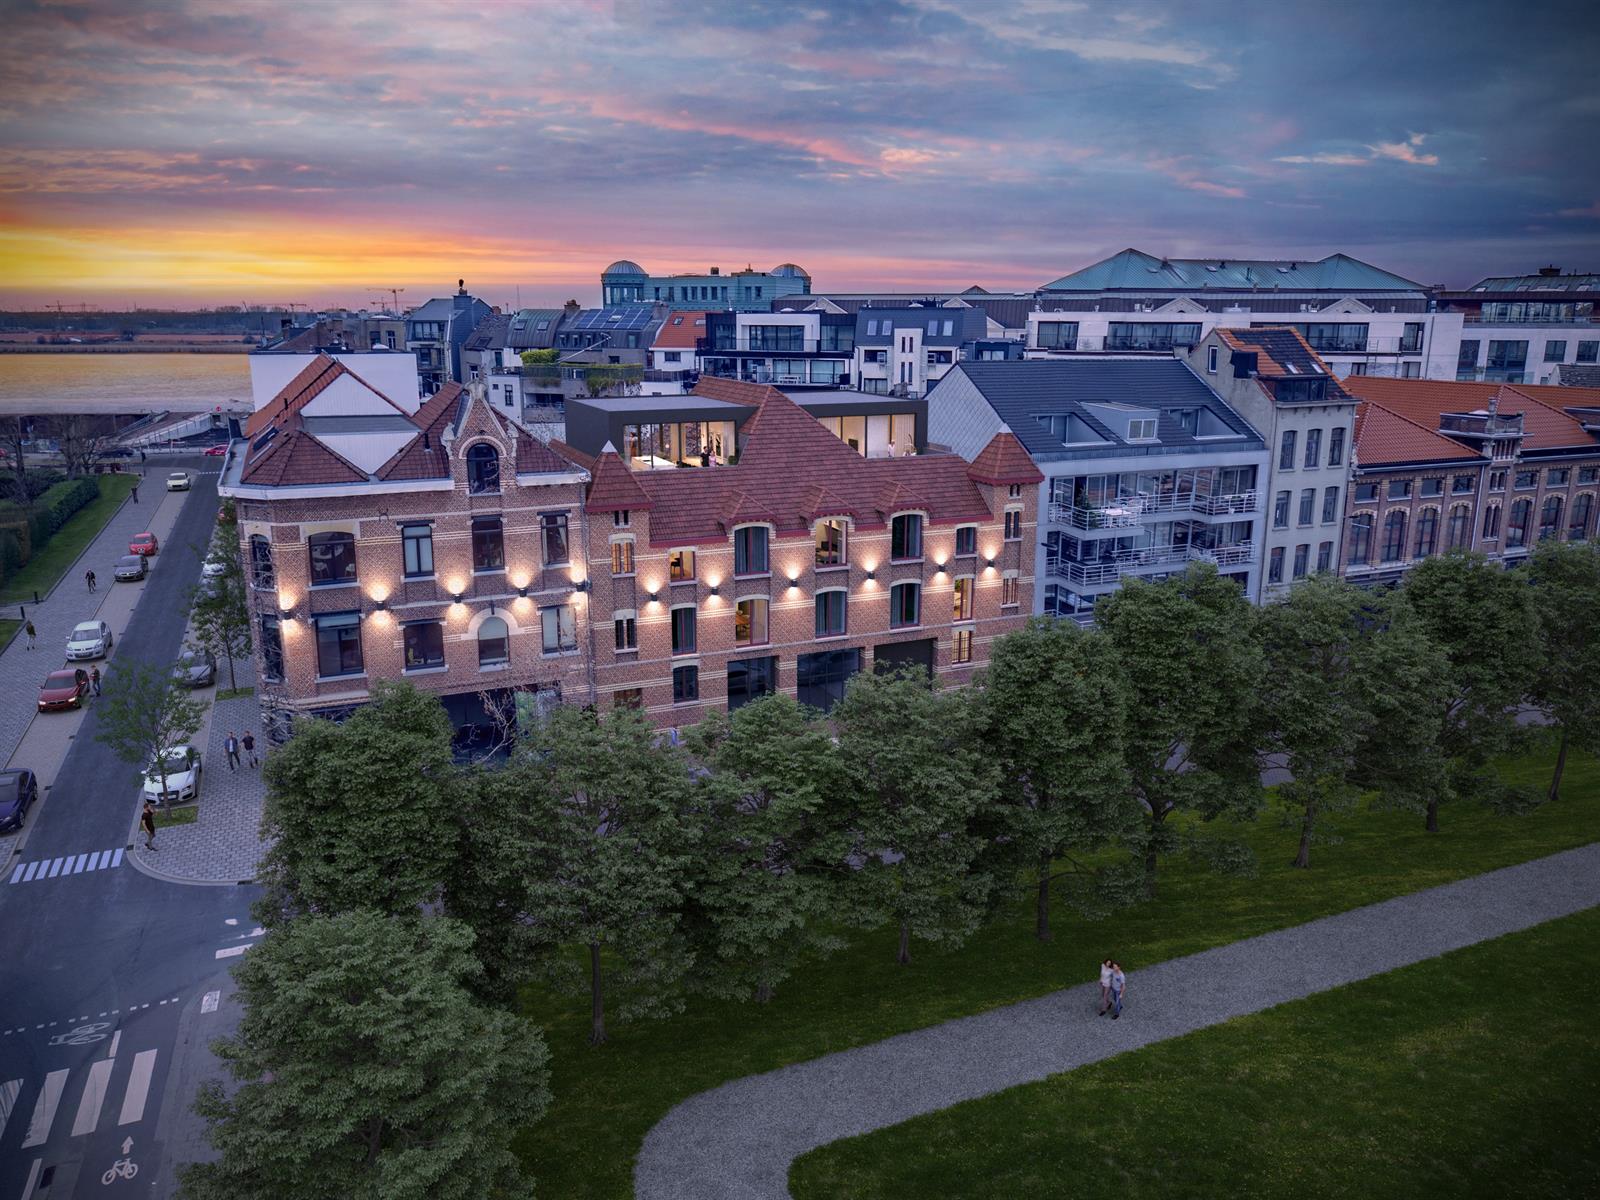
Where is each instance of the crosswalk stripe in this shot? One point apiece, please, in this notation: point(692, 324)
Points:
point(102, 858)
point(8, 1101)
point(116, 859)
point(94, 1097)
point(81, 862)
point(144, 1066)
point(67, 864)
point(17, 874)
point(44, 1109)
point(55, 866)
point(32, 867)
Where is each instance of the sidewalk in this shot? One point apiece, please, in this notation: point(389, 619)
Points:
point(736, 1142)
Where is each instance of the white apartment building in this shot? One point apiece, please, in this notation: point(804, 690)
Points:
point(1521, 328)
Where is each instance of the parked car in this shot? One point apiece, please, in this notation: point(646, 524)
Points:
point(183, 776)
point(18, 791)
point(179, 481)
point(89, 639)
point(217, 451)
point(63, 689)
point(196, 668)
point(144, 543)
point(130, 567)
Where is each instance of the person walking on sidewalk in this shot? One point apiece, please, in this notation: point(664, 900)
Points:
point(231, 745)
point(94, 680)
point(1105, 987)
point(32, 633)
point(1119, 989)
point(136, 492)
point(88, 577)
point(147, 822)
point(250, 747)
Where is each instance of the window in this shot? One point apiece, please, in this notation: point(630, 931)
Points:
point(483, 469)
point(1427, 532)
point(1324, 556)
point(966, 540)
point(1550, 518)
point(626, 632)
point(830, 614)
point(1211, 360)
point(1366, 492)
point(821, 678)
point(558, 629)
point(333, 558)
point(1013, 525)
point(488, 544)
point(1460, 485)
point(1508, 356)
point(1467, 356)
point(1008, 591)
point(339, 644)
point(1497, 481)
point(1336, 446)
point(1527, 479)
point(750, 623)
point(1555, 351)
point(1558, 476)
point(1433, 487)
point(1491, 522)
point(1014, 491)
point(261, 573)
point(1411, 339)
point(1361, 540)
point(1308, 504)
point(1302, 558)
point(628, 698)
point(1578, 527)
point(1394, 535)
point(680, 566)
point(961, 646)
point(271, 649)
point(1588, 474)
point(1286, 451)
point(1280, 511)
point(1330, 505)
point(683, 630)
point(750, 550)
point(1143, 429)
point(1313, 448)
point(905, 605)
point(1588, 352)
point(905, 537)
point(622, 557)
point(831, 546)
point(962, 608)
point(553, 528)
point(424, 645)
point(1275, 565)
point(1456, 531)
point(685, 685)
point(417, 544)
point(1517, 526)
point(750, 679)
point(1411, 370)
point(621, 519)
point(494, 643)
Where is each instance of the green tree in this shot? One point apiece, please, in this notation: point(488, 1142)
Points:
point(914, 781)
point(366, 1070)
point(610, 854)
point(1188, 649)
point(1483, 618)
point(361, 813)
point(1566, 597)
point(1052, 706)
point(219, 606)
point(535, 358)
point(143, 713)
point(770, 848)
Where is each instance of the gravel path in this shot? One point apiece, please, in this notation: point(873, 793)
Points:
point(738, 1140)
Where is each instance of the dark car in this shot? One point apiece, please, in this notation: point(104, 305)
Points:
point(18, 791)
point(196, 669)
point(63, 689)
point(131, 567)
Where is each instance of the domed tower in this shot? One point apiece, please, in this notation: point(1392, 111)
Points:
point(790, 271)
point(622, 283)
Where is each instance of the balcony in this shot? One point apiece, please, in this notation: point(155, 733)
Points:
point(1107, 572)
point(1130, 511)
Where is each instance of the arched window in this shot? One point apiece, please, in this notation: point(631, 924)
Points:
point(261, 573)
point(1394, 535)
point(483, 469)
point(1460, 525)
point(1361, 540)
point(1491, 522)
point(1517, 526)
point(1550, 518)
point(905, 605)
point(1582, 509)
point(494, 643)
point(1427, 532)
point(333, 558)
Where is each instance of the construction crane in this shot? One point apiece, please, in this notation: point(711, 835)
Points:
point(394, 297)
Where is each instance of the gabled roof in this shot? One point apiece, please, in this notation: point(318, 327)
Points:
point(1384, 438)
point(682, 328)
point(293, 456)
point(1545, 423)
point(1004, 460)
point(1282, 353)
point(612, 487)
point(1134, 270)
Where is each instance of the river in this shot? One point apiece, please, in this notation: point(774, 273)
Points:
point(104, 383)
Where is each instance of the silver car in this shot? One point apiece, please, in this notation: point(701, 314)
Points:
point(130, 567)
point(89, 639)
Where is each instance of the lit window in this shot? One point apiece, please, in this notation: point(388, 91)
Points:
point(750, 623)
point(905, 605)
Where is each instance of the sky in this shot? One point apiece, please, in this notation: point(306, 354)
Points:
point(175, 152)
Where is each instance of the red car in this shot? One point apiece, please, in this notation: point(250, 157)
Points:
point(143, 543)
point(64, 689)
point(216, 451)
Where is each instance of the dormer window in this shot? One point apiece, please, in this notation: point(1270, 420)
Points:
point(1142, 429)
point(483, 469)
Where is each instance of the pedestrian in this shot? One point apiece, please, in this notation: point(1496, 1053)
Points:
point(250, 746)
point(32, 633)
point(88, 577)
point(1105, 987)
point(147, 822)
point(1119, 990)
point(231, 745)
point(94, 680)
point(141, 456)
point(136, 493)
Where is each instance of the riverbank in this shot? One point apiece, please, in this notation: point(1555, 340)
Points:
point(127, 348)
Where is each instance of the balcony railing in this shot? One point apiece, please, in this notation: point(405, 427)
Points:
point(1130, 511)
point(1104, 572)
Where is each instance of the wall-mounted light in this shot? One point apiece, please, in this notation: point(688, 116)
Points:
point(654, 596)
point(455, 597)
point(872, 575)
point(380, 605)
point(713, 590)
point(794, 581)
point(523, 591)
point(581, 586)
point(989, 562)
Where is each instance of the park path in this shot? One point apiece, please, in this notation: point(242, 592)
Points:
point(737, 1141)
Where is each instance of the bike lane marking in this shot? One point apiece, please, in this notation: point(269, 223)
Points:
point(133, 1100)
point(94, 1097)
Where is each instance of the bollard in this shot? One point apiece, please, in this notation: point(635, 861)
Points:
point(22, 613)
point(36, 599)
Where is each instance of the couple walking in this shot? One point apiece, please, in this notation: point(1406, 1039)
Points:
point(1113, 987)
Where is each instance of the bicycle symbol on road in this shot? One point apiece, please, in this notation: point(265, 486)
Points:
point(83, 1035)
point(123, 1168)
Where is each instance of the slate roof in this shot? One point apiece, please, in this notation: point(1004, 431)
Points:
point(875, 326)
point(1022, 391)
point(490, 333)
point(1545, 426)
point(682, 329)
point(1538, 283)
point(1009, 310)
point(1580, 375)
point(523, 332)
point(1282, 353)
point(1384, 438)
point(1134, 270)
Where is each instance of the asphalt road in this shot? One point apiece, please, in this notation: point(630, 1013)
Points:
point(106, 970)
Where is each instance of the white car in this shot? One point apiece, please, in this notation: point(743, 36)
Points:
point(183, 777)
point(89, 639)
point(179, 481)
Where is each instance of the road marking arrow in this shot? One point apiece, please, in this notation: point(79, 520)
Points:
point(127, 1145)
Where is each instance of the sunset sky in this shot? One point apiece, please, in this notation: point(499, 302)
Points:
point(171, 153)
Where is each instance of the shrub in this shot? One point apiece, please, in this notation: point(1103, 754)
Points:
point(10, 555)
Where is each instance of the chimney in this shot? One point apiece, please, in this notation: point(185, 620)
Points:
point(1548, 272)
point(571, 307)
point(285, 324)
point(425, 444)
point(716, 270)
point(461, 287)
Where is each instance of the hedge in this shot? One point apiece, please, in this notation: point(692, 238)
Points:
point(22, 534)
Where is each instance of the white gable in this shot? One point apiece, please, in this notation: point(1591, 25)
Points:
point(1182, 305)
point(367, 450)
point(347, 396)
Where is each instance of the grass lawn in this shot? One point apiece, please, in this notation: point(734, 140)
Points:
point(1476, 1074)
point(608, 1098)
point(188, 814)
point(61, 551)
point(8, 630)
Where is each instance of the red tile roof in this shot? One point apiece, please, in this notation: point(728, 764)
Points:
point(425, 457)
point(294, 457)
point(1004, 460)
point(1544, 425)
point(314, 378)
point(680, 334)
point(1384, 438)
point(613, 486)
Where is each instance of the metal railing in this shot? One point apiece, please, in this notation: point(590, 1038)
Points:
point(1106, 571)
point(1129, 511)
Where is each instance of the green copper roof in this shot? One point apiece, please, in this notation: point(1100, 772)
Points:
point(1134, 270)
